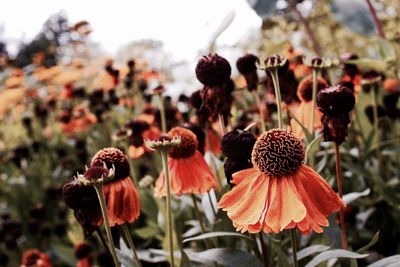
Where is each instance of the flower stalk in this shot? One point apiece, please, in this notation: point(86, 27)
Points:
point(294, 246)
point(315, 74)
point(131, 244)
point(275, 80)
point(103, 206)
point(340, 188)
point(164, 156)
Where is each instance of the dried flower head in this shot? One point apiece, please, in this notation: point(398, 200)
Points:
point(113, 158)
point(247, 64)
point(278, 153)
point(317, 62)
point(164, 142)
point(335, 100)
point(188, 143)
point(213, 70)
point(273, 63)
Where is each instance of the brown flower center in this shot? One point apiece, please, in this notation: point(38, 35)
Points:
point(188, 143)
point(278, 153)
point(112, 156)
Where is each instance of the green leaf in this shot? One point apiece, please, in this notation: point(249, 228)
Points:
point(333, 254)
point(221, 28)
point(348, 198)
point(216, 234)
point(313, 147)
point(391, 261)
point(301, 254)
point(369, 63)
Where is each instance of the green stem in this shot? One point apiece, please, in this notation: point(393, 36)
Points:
point(340, 189)
point(275, 80)
point(263, 249)
point(199, 218)
point(103, 206)
point(259, 105)
point(376, 125)
point(294, 246)
point(315, 73)
point(131, 244)
point(102, 240)
point(162, 114)
point(164, 156)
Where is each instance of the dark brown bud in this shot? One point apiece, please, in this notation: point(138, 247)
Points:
point(237, 145)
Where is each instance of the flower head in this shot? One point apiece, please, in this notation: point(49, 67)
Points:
point(279, 192)
point(112, 158)
point(35, 258)
point(163, 142)
point(335, 103)
point(278, 153)
point(246, 65)
point(273, 62)
point(189, 172)
point(317, 62)
point(304, 89)
point(213, 70)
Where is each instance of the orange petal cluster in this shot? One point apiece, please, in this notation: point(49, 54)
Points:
point(261, 202)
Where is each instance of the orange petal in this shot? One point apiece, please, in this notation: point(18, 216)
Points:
point(285, 205)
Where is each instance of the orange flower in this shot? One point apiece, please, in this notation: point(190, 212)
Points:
point(279, 192)
point(189, 172)
point(120, 194)
point(35, 258)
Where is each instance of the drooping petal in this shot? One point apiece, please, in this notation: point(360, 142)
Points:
point(247, 201)
point(285, 204)
point(318, 197)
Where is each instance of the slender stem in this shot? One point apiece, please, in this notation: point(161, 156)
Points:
point(103, 206)
point(259, 105)
point(102, 240)
point(212, 161)
point(211, 204)
point(162, 115)
point(263, 249)
point(199, 218)
point(377, 22)
point(314, 42)
point(275, 80)
point(376, 124)
point(340, 188)
point(294, 246)
point(221, 123)
point(315, 73)
point(131, 244)
point(164, 157)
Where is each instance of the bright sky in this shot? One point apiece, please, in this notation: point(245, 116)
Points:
point(185, 26)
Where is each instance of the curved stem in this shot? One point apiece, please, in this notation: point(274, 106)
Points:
point(164, 156)
point(377, 22)
point(340, 188)
point(211, 204)
point(162, 115)
point(315, 73)
point(103, 206)
point(131, 244)
point(294, 246)
point(275, 80)
point(259, 105)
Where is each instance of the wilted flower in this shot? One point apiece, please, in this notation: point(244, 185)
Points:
point(335, 103)
point(279, 192)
